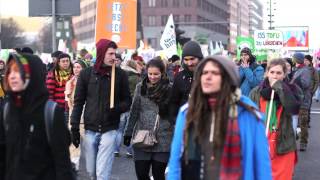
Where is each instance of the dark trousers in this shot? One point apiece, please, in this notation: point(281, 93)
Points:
point(303, 120)
point(143, 168)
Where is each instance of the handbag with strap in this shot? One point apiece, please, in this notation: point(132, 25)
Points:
point(146, 138)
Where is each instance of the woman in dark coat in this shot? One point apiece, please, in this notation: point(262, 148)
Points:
point(29, 153)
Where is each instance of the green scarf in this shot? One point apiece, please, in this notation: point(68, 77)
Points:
point(273, 119)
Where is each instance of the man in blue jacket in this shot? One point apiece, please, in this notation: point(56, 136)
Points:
point(251, 74)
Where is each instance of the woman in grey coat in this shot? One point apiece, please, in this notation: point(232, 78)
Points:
point(151, 99)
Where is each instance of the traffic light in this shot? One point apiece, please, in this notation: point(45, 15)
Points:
point(179, 38)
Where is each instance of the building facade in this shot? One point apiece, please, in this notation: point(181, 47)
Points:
point(201, 18)
point(255, 16)
point(239, 21)
point(84, 25)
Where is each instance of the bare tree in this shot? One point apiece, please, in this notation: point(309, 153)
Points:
point(11, 34)
point(45, 39)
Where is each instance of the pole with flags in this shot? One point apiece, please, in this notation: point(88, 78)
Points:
point(168, 38)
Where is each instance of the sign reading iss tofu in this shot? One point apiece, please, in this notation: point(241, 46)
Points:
point(268, 39)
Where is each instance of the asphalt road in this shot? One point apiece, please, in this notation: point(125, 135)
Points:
point(308, 167)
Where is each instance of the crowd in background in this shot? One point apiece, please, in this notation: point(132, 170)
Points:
point(205, 117)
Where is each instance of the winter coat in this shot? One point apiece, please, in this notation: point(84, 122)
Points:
point(254, 146)
point(29, 154)
point(93, 90)
point(143, 115)
point(302, 77)
point(180, 93)
point(250, 77)
point(56, 91)
point(290, 101)
point(314, 79)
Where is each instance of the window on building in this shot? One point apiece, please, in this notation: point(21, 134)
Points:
point(175, 3)
point(152, 42)
point(59, 25)
point(66, 24)
point(152, 20)
point(187, 18)
point(152, 3)
point(164, 19)
point(176, 18)
point(164, 3)
point(187, 3)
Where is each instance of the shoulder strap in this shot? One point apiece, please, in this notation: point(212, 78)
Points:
point(49, 110)
point(5, 115)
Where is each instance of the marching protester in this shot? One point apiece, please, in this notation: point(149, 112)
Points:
point(33, 149)
point(302, 77)
point(55, 55)
point(191, 56)
point(219, 133)
point(71, 84)
point(134, 72)
point(279, 109)
point(251, 74)
point(101, 119)
point(57, 79)
point(314, 80)
point(149, 111)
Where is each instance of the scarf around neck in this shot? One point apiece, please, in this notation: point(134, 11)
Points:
point(230, 164)
point(62, 76)
point(157, 92)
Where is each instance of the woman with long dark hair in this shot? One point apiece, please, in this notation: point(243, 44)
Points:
point(219, 134)
point(285, 102)
point(150, 101)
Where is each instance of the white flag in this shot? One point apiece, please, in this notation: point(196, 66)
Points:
point(211, 48)
point(168, 38)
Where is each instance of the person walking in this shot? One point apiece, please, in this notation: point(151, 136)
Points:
point(31, 153)
point(70, 89)
point(56, 82)
point(302, 77)
point(251, 74)
point(283, 105)
point(101, 120)
point(191, 56)
point(219, 133)
point(150, 109)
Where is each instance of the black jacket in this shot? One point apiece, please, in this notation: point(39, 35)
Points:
point(28, 154)
point(180, 92)
point(93, 90)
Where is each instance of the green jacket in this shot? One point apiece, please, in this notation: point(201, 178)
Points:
point(286, 141)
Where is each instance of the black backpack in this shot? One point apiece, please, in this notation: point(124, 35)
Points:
point(49, 110)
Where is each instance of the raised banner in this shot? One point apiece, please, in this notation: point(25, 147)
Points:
point(168, 38)
point(268, 39)
point(117, 20)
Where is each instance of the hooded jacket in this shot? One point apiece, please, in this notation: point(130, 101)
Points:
point(28, 153)
point(93, 89)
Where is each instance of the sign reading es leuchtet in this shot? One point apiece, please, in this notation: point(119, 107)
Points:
point(268, 39)
point(116, 20)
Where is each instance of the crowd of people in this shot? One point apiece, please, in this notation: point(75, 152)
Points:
point(189, 119)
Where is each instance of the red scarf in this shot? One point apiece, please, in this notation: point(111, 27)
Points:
point(230, 165)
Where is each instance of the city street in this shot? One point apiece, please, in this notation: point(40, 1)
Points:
point(307, 168)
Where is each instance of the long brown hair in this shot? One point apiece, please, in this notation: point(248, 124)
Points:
point(199, 110)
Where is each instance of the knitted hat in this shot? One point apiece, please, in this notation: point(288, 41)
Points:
point(246, 50)
point(308, 57)
point(192, 48)
point(23, 66)
point(228, 65)
point(298, 57)
point(82, 63)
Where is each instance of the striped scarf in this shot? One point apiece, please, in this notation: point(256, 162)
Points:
point(230, 166)
point(62, 76)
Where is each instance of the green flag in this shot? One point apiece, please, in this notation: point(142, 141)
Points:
point(179, 50)
point(244, 42)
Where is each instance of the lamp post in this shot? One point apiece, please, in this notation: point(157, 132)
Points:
point(54, 46)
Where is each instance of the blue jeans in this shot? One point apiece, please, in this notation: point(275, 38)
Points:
point(122, 125)
point(99, 153)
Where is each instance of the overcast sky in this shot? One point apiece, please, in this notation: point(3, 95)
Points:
point(288, 13)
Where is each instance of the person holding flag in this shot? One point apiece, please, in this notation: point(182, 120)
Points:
point(279, 99)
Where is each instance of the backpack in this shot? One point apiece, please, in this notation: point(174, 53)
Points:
point(49, 110)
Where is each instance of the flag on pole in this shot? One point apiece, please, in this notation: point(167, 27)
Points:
point(211, 48)
point(168, 38)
